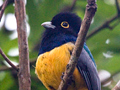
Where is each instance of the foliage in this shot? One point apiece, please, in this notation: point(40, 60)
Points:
point(104, 43)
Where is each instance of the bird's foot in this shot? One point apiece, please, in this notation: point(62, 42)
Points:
point(71, 80)
point(62, 76)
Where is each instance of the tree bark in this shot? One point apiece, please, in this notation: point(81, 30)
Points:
point(24, 67)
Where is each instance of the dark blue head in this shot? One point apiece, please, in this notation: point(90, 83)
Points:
point(63, 28)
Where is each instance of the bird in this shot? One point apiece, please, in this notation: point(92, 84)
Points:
point(56, 46)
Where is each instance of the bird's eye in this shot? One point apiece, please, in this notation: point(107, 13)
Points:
point(65, 24)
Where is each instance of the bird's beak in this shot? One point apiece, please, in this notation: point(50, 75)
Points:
point(48, 25)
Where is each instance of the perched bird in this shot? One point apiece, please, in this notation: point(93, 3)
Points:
point(56, 47)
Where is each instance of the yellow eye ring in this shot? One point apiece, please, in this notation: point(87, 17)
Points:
point(65, 24)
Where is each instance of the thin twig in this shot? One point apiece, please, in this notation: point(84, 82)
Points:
point(73, 5)
point(110, 78)
point(117, 86)
point(115, 24)
point(106, 24)
point(3, 8)
point(89, 13)
point(8, 60)
point(117, 7)
point(9, 2)
point(103, 26)
point(69, 8)
point(5, 68)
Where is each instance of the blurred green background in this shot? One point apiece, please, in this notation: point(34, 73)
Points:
point(105, 45)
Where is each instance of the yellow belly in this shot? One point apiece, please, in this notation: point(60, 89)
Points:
point(51, 65)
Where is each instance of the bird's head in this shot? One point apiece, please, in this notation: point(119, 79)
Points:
point(66, 23)
point(63, 28)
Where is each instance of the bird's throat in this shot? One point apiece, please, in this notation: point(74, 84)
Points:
point(50, 42)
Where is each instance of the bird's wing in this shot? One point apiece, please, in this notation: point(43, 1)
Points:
point(88, 70)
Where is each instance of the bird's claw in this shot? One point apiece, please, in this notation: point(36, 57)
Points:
point(71, 80)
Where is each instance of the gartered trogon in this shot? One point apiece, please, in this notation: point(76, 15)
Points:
point(58, 41)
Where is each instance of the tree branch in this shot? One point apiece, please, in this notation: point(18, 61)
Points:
point(7, 60)
point(4, 68)
point(3, 8)
point(117, 7)
point(69, 8)
point(73, 5)
point(103, 26)
point(24, 67)
point(110, 78)
point(9, 2)
point(106, 24)
point(89, 13)
point(117, 86)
